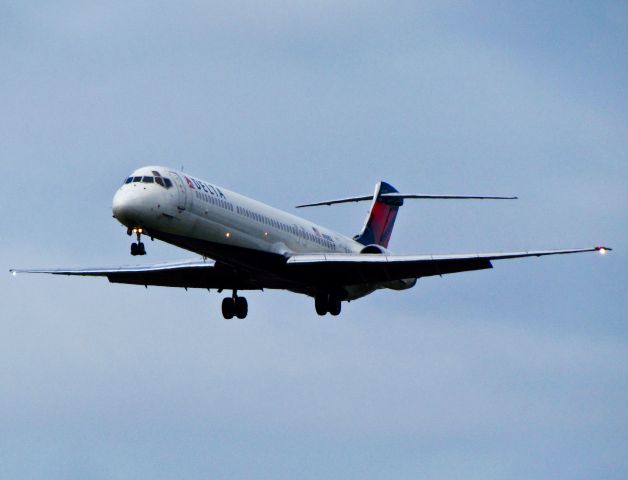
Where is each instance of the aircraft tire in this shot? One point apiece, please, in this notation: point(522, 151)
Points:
point(228, 307)
point(134, 250)
point(320, 304)
point(241, 307)
point(335, 305)
point(141, 250)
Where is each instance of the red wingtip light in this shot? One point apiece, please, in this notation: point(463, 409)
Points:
point(602, 250)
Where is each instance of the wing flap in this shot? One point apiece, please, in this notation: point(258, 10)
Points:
point(374, 268)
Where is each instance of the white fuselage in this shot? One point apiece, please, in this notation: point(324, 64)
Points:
point(197, 210)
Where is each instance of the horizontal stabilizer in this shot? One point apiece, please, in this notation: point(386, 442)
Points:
point(401, 196)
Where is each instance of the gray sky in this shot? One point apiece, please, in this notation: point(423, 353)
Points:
point(518, 372)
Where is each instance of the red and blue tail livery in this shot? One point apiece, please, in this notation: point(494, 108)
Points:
point(381, 218)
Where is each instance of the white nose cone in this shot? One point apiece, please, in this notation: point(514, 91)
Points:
point(127, 207)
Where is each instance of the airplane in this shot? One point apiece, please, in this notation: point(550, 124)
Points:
point(247, 245)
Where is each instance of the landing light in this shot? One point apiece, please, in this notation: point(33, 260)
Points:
point(228, 234)
point(14, 273)
point(602, 251)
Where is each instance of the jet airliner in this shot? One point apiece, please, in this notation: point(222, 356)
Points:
point(247, 245)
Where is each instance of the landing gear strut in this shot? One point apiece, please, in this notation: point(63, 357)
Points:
point(137, 248)
point(327, 303)
point(234, 306)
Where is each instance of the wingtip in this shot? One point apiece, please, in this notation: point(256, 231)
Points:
point(602, 249)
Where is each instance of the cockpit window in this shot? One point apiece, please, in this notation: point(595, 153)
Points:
point(158, 179)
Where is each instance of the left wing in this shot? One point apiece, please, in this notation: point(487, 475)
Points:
point(188, 274)
point(352, 269)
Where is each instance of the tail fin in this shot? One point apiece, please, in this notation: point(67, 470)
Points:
point(381, 218)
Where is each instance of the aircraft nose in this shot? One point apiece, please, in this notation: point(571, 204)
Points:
point(126, 207)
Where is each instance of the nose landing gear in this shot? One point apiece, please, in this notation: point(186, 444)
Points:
point(137, 248)
point(234, 306)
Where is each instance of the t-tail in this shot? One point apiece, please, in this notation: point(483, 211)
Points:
point(381, 218)
point(386, 201)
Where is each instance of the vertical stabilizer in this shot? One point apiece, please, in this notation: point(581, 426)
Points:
point(381, 218)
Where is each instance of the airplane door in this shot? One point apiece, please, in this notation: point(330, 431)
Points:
point(182, 191)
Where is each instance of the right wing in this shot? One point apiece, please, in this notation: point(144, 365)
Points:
point(187, 274)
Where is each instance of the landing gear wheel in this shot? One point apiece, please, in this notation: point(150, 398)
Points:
point(228, 308)
point(137, 248)
point(241, 307)
point(320, 304)
point(334, 306)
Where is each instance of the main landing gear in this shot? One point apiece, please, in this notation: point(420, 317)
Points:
point(234, 306)
point(327, 303)
point(137, 248)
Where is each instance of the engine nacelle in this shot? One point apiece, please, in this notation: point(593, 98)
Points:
point(402, 284)
point(378, 249)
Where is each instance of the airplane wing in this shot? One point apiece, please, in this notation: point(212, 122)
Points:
point(187, 274)
point(306, 270)
point(352, 269)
